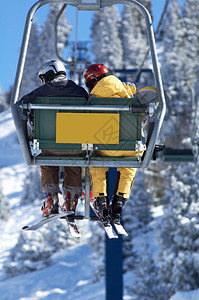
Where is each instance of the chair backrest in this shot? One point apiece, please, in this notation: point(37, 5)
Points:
point(70, 129)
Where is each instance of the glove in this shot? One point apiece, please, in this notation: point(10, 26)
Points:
point(147, 95)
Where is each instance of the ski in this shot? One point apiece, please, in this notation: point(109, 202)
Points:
point(45, 220)
point(108, 229)
point(74, 231)
point(120, 229)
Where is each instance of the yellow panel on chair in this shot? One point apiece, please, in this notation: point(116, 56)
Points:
point(87, 128)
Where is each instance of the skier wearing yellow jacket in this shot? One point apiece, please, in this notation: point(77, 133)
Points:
point(101, 84)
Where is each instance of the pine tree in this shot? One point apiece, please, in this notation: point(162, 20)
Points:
point(32, 186)
point(133, 36)
point(178, 231)
point(97, 243)
point(136, 217)
point(106, 43)
point(30, 79)
point(8, 96)
point(42, 47)
point(3, 103)
point(176, 78)
point(147, 285)
point(33, 250)
point(191, 39)
point(47, 36)
point(4, 207)
point(172, 35)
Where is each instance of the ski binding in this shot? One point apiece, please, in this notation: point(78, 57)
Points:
point(108, 228)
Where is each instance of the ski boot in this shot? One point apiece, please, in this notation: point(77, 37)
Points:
point(116, 208)
point(50, 204)
point(70, 203)
point(101, 206)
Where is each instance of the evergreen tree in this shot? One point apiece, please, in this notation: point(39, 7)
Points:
point(177, 80)
point(191, 40)
point(47, 36)
point(133, 36)
point(32, 186)
point(147, 285)
point(30, 79)
point(178, 231)
point(172, 35)
point(3, 103)
point(106, 43)
point(4, 207)
point(42, 47)
point(136, 217)
point(97, 243)
point(8, 96)
point(33, 250)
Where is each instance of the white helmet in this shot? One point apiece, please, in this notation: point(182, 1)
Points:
point(52, 65)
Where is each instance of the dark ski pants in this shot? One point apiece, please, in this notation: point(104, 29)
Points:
point(50, 174)
point(72, 176)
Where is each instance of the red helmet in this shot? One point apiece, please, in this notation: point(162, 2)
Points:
point(93, 74)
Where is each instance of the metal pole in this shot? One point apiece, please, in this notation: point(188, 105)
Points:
point(114, 257)
point(87, 193)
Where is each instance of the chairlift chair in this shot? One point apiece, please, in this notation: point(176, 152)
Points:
point(123, 113)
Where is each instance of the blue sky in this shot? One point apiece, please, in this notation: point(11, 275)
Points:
point(12, 20)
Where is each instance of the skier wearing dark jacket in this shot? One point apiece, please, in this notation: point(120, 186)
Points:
point(61, 86)
point(56, 84)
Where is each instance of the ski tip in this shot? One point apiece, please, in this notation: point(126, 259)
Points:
point(113, 237)
point(25, 227)
point(77, 236)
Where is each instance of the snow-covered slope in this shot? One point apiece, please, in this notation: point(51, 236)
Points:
point(68, 277)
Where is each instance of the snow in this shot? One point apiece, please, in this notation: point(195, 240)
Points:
point(70, 273)
point(66, 278)
point(191, 295)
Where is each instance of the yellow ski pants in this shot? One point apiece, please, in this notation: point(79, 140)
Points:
point(99, 181)
point(126, 175)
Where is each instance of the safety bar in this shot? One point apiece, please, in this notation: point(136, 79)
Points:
point(120, 162)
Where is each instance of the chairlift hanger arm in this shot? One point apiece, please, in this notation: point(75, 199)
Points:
point(56, 34)
point(85, 6)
